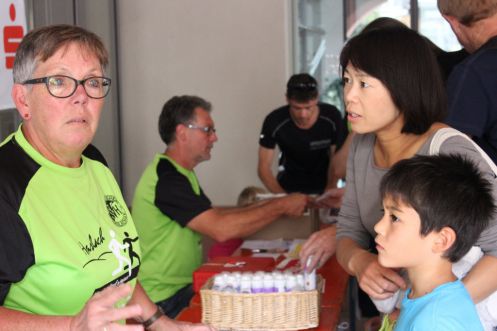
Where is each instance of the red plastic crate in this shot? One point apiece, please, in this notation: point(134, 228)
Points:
point(230, 264)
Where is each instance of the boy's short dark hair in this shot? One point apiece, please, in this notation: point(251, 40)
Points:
point(179, 110)
point(406, 65)
point(302, 88)
point(446, 191)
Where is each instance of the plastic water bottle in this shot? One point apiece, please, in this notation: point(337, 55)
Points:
point(231, 285)
point(300, 281)
point(219, 283)
point(225, 275)
point(279, 283)
point(238, 278)
point(268, 283)
point(246, 283)
point(309, 277)
point(257, 285)
point(290, 283)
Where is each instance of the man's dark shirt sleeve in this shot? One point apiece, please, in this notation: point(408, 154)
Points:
point(266, 138)
point(175, 197)
point(16, 250)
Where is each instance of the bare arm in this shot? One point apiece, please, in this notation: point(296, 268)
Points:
point(266, 156)
point(377, 281)
point(164, 323)
point(340, 158)
point(16, 320)
point(98, 313)
point(481, 281)
point(333, 176)
point(224, 224)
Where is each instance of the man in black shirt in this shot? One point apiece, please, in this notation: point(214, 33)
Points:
point(471, 87)
point(307, 133)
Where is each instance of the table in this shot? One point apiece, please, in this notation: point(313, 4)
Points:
point(332, 300)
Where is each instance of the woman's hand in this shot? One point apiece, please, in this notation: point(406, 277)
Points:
point(321, 245)
point(100, 312)
point(377, 281)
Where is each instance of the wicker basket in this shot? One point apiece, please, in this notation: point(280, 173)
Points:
point(261, 311)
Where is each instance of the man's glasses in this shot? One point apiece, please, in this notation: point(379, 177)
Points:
point(209, 130)
point(61, 86)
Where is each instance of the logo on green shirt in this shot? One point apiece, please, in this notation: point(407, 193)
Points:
point(116, 212)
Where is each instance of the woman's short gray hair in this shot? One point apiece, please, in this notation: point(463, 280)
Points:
point(42, 43)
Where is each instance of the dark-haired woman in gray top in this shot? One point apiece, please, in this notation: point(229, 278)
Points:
point(395, 101)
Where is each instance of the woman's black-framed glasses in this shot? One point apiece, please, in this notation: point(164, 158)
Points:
point(61, 86)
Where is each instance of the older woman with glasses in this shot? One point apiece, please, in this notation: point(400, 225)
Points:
point(69, 254)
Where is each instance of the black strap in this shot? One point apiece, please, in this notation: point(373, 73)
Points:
point(158, 314)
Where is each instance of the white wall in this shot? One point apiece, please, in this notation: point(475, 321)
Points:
point(234, 53)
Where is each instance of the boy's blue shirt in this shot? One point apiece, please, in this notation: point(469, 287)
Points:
point(447, 308)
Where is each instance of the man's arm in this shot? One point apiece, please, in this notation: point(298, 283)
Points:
point(340, 158)
point(266, 156)
point(223, 224)
point(333, 176)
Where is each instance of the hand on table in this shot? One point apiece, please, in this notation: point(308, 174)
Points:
point(101, 314)
point(321, 245)
point(377, 281)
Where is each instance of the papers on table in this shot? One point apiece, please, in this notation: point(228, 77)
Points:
point(274, 248)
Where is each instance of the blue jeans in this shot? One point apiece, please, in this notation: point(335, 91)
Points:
point(181, 299)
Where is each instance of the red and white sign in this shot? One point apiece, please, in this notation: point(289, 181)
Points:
point(12, 30)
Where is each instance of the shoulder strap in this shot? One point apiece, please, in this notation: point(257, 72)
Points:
point(445, 133)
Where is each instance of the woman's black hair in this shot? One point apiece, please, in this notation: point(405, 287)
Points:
point(406, 65)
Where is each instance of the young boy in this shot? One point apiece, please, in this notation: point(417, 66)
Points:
point(435, 209)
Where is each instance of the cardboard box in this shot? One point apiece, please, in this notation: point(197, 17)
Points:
point(290, 227)
point(230, 264)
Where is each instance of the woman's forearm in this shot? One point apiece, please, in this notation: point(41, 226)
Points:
point(481, 281)
point(347, 252)
point(20, 321)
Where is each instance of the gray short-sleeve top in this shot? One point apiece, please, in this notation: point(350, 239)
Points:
point(362, 208)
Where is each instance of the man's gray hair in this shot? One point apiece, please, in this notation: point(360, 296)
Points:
point(468, 12)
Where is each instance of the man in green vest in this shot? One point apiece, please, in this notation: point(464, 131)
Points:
point(172, 212)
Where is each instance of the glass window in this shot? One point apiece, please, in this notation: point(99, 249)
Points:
point(432, 25)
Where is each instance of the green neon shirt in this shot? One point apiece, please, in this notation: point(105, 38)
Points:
point(167, 197)
point(65, 233)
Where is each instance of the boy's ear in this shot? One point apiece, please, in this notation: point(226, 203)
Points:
point(445, 238)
